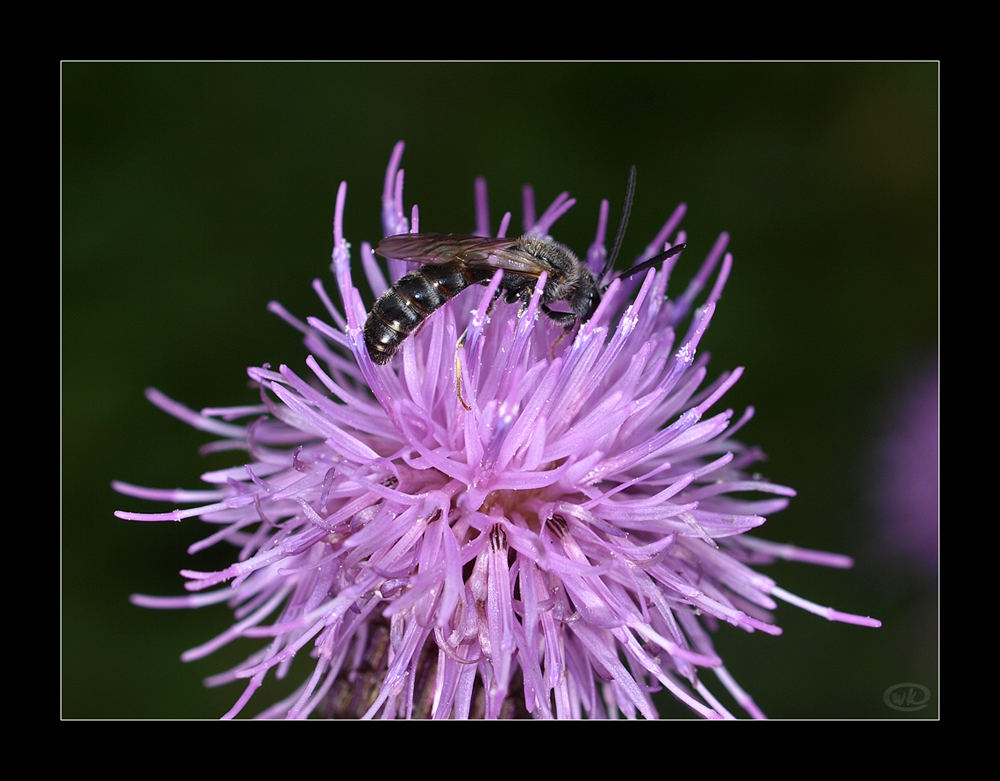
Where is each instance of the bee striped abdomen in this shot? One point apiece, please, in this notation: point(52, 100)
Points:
point(411, 301)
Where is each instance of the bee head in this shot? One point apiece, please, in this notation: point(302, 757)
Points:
point(586, 297)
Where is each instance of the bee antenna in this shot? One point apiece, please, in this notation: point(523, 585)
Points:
point(656, 260)
point(622, 224)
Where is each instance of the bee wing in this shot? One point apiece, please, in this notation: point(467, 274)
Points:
point(477, 251)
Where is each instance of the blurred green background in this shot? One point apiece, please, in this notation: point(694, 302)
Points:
point(195, 193)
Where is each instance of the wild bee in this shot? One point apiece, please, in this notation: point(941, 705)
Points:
point(453, 262)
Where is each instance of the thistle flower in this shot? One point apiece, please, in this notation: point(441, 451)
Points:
point(560, 549)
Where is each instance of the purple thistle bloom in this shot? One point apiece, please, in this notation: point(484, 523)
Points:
point(559, 550)
point(905, 473)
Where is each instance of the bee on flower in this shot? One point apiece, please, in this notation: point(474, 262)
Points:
point(508, 490)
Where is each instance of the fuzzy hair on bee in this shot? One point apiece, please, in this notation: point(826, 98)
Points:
point(452, 262)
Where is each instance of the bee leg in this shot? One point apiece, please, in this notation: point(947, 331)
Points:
point(461, 343)
point(561, 337)
point(458, 370)
point(566, 319)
